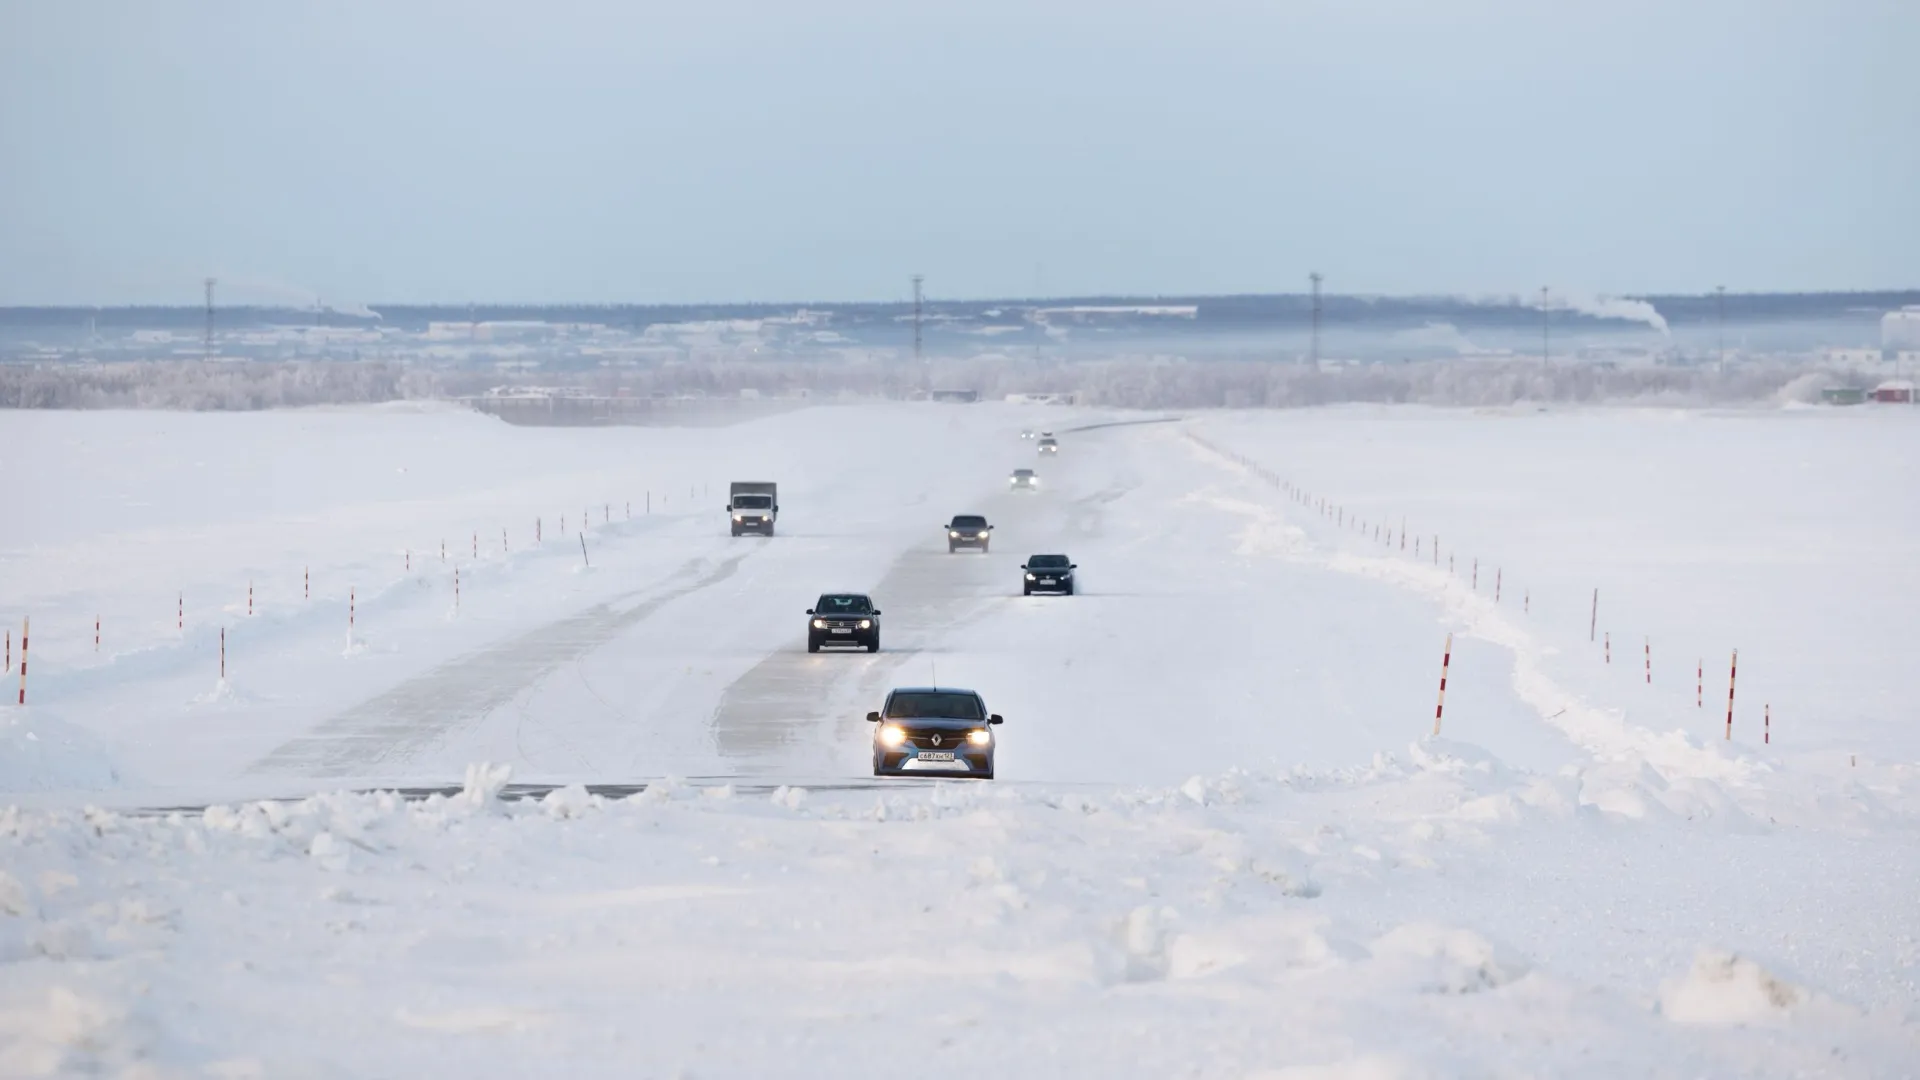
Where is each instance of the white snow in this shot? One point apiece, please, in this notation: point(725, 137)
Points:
point(1224, 840)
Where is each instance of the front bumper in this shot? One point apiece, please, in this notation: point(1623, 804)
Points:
point(965, 540)
point(905, 761)
point(1058, 585)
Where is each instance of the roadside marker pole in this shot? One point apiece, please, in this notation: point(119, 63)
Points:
point(503, 540)
point(1609, 646)
point(306, 583)
point(96, 633)
point(456, 588)
point(1403, 534)
point(606, 510)
point(223, 654)
point(1649, 661)
point(443, 551)
point(8, 666)
point(249, 599)
point(1446, 661)
point(351, 604)
point(1766, 729)
point(629, 509)
point(476, 543)
point(536, 530)
point(409, 560)
point(1594, 619)
point(1700, 683)
point(1449, 565)
point(1497, 575)
point(1476, 575)
point(1733, 669)
point(180, 613)
point(583, 550)
point(1526, 602)
point(26, 624)
point(1436, 549)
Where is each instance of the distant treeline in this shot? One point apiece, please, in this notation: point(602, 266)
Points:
point(1144, 383)
point(1213, 314)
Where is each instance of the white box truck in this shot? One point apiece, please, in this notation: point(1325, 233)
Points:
point(753, 505)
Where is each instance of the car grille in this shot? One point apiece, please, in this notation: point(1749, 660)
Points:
point(847, 624)
point(949, 740)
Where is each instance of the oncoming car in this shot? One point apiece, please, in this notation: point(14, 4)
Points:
point(969, 530)
point(1024, 480)
point(1048, 573)
point(1049, 444)
point(924, 729)
point(843, 619)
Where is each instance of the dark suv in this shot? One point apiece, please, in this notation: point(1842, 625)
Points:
point(1048, 573)
point(843, 619)
point(968, 530)
point(924, 729)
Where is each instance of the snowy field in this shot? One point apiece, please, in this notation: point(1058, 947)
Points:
point(1223, 842)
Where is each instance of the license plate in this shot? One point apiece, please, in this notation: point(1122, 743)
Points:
point(936, 755)
point(1048, 581)
point(842, 630)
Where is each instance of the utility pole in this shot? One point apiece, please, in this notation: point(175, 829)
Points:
point(917, 359)
point(1720, 323)
point(1314, 353)
point(1546, 331)
point(208, 345)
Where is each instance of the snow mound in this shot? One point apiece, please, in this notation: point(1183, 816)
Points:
point(39, 752)
point(1446, 960)
point(1725, 988)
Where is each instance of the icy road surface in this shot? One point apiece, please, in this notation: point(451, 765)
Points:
point(1223, 842)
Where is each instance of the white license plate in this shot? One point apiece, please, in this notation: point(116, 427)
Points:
point(842, 630)
point(1048, 581)
point(935, 755)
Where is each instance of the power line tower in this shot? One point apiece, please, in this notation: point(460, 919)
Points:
point(1314, 352)
point(1720, 323)
point(1546, 329)
point(208, 344)
point(917, 279)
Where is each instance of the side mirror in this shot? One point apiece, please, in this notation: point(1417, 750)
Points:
point(776, 508)
point(873, 718)
point(996, 718)
point(809, 611)
point(729, 508)
point(1073, 566)
point(876, 611)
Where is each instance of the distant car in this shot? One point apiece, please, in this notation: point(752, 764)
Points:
point(1048, 573)
point(1024, 480)
point(843, 619)
point(968, 530)
point(1049, 444)
point(1026, 433)
point(925, 729)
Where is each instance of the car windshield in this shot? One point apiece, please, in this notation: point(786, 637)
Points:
point(965, 521)
point(752, 502)
point(1047, 562)
point(843, 604)
point(1023, 474)
point(934, 704)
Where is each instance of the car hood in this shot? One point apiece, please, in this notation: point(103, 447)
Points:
point(936, 723)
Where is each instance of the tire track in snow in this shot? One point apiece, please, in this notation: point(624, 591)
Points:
point(394, 727)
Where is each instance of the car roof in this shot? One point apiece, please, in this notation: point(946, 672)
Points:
point(1048, 555)
point(852, 595)
point(932, 690)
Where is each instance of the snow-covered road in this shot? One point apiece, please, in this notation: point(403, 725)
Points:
point(1222, 842)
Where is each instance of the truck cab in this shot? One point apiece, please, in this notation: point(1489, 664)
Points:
point(753, 505)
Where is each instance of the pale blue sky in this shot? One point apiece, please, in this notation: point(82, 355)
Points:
point(749, 150)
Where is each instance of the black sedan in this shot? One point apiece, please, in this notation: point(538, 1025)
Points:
point(843, 619)
point(1047, 573)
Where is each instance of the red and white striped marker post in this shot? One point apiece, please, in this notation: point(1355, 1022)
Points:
point(249, 599)
point(1440, 706)
point(1476, 575)
point(443, 551)
point(180, 613)
point(223, 654)
point(1766, 724)
point(1416, 547)
point(1436, 549)
point(1733, 670)
point(352, 596)
point(503, 540)
point(1449, 565)
point(26, 625)
point(606, 511)
point(1649, 661)
point(96, 633)
point(1526, 602)
point(1609, 646)
point(563, 524)
point(306, 583)
point(476, 543)
point(536, 530)
point(409, 557)
point(629, 509)
point(456, 587)
point(1403, 534)
point(1700, 683)
point(1497, 574)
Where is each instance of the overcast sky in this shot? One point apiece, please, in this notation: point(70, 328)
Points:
point(766, 150)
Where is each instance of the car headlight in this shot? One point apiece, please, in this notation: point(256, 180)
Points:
point(819, 624)
point(979, 737)
point(953, 534)
point(739, 517)
point(866, 624)
point(892, 735)
point(1029, 577)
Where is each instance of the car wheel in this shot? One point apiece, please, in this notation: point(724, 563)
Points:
point(813, 644)
point(1026, 590)
point(874, 644)
point(1068, 591)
